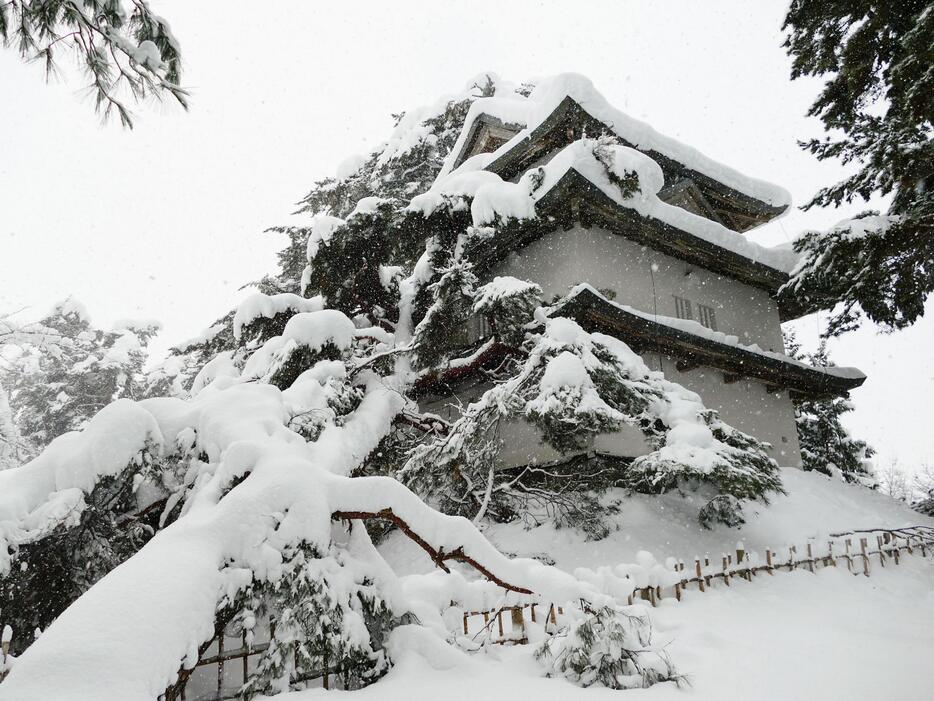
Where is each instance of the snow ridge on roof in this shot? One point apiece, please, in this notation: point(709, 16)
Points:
point(529, 112)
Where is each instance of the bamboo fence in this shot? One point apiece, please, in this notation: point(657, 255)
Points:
point(858, 550)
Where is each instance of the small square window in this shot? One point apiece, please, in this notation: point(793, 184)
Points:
point(683, 308)
point(707, 317)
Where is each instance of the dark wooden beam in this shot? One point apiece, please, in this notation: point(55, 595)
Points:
point(687, 365)
point(730, 378)
point(772, 389)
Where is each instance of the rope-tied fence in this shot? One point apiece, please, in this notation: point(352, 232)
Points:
point(858, 550)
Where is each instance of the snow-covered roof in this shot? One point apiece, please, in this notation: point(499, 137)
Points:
point(696, 344)
point(550, 105)
point(668, 228)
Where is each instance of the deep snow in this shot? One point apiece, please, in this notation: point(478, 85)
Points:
point(828, 636)
point(796, 635)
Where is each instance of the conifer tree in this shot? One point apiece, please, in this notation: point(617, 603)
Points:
point(327, 618)
point(64, 376)
point(572, 385)
point(14, 449)
point(878, 105)
point(924, 486)
point(826, 446)
point(609, 648)
point(124, 47)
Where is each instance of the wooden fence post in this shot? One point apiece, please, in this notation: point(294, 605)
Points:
point(499, 622)
point(220, 663)
point(768, 561)
point(518, 626)
point(700, 575)
point(810, 561)
point(881, 554)
point(465, 623)
point(830, 560)
point(726, 571)
point(740, 554)
point(862, 547)
point(533, 613)
point(849, 558)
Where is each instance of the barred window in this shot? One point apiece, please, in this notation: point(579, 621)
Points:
point(706, 316)
point(683, 308)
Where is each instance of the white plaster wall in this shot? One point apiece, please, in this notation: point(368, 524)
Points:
point(744, 404)
point(646, 280)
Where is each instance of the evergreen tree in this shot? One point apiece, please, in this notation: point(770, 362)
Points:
point(329, 618)
point(14, 449)
point(98, 530)
point(826, 446)
point(924, 486)
point(878, 102)
point(123, 47)
point(61, 378)
point(403, 167)
point(572, 385)
point(608, 647)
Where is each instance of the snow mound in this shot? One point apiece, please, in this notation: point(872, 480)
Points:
point(37, 496)
point(323, 227)
point(261, 305)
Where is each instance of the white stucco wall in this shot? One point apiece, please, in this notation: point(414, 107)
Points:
point(645, 279)
point(744, 404)
point(648, 281)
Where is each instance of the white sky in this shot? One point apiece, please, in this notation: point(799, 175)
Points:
point(166, 221)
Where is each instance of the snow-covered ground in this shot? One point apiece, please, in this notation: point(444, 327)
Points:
point(827, 635)
point(667, 526)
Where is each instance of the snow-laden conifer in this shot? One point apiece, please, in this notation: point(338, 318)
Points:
point(826, 445)
point(609, 647)
point(61, 376)
point(877, 109)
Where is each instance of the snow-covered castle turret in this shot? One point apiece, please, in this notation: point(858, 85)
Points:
point(645, 234)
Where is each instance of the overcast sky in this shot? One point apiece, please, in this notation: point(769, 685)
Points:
point(167, 220)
